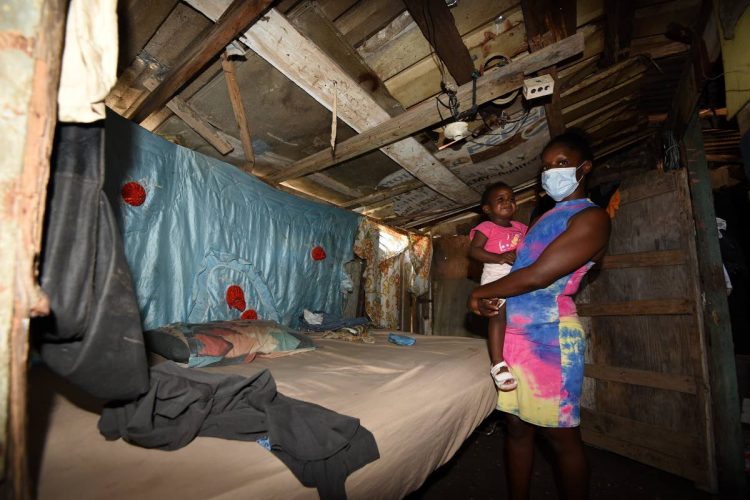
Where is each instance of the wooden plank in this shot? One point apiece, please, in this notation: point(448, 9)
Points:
point(493, 83)
point(389, 52)
point(645, 378)
point(139, 20)
point(194, 120)
point(277, 41)
point(645, 259)
point(542, 18)
point(682, 445)
point(659, 185)
point(383, 194)
point(194, 58)
point(653, 458)
point(238, 108)
point(365, 18)
point(439, 28)
point(608, 149)
point(619, 30)
point(638, 308)
point(617, 92)
point(609, 77)
point(155, 120)
point(718, 330)
point(31, 43)
point(334, 8)
point(422, 80)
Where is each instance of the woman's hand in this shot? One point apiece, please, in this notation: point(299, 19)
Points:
point(484, 307)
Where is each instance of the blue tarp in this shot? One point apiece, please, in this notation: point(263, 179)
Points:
point(205, 225)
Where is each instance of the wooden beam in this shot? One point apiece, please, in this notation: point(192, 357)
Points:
point(677, 466)
point(493, 83)
point(718, 328)
point(619, 17)
point(645, 378)
point(239, 111)
point(365, 18)
point(31, 44)
point(439, 28)
point(681, 445)
point(382, 194)
point(194, 120)
point(155, 120)
point(284, 47)
point(645, 259)
point(652, 307)
point(235, 19)
point(548, 22)
point(139, 20)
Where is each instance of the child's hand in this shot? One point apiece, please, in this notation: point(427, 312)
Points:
point(507, 257)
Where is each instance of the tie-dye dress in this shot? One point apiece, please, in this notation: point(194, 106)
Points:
point(544, 340)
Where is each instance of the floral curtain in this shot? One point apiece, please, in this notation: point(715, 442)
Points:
point(382, 248)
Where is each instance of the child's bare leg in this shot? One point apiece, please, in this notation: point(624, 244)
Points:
point(496, 340)
point(496, 336)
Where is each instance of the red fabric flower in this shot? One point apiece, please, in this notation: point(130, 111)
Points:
point(236, 298)
point(249, 314)
point(133, 194)
point(318, 253)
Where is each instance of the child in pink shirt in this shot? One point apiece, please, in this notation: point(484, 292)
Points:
point(494, 243)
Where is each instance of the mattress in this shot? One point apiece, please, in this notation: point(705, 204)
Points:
point(420, 402)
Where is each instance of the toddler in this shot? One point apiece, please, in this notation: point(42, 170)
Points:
point(494, 243)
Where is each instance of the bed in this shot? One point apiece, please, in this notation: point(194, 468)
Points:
point(420, 402)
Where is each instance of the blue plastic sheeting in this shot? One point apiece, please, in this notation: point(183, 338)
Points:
point(205, 225)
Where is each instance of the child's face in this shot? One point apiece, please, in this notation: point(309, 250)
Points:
point(502, 204)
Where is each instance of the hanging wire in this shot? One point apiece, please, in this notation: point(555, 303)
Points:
point(671, 151)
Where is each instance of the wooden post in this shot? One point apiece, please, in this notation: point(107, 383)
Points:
point(548, 22)
point(30, 48)
point(439, 28)
point(723, 377)
point(239, 111)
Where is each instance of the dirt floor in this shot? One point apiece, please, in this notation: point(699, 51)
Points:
point(476, 473)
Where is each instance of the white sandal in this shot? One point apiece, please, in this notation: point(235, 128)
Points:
point(504, 380)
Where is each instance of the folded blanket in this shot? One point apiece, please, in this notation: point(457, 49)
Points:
point(319, 446)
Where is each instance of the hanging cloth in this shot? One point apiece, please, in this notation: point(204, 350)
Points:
point(93, 335)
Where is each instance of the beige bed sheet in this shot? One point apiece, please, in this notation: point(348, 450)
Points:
point(420, 402)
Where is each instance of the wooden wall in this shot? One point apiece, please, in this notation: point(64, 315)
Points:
point(646, 395)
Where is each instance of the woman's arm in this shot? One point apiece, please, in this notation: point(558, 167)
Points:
point(585, 239)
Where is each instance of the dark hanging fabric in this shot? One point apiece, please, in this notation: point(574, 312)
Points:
point(319, 446)
point(93, 335)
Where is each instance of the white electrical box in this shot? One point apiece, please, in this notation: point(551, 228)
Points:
point(538, 86)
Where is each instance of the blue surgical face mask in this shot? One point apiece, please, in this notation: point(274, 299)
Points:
point(560, 183)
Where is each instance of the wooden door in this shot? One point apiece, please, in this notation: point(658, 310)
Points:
point(646, 392)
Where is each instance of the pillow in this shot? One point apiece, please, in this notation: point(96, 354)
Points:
point(204, 344)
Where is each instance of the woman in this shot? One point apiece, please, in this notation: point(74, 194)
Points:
point(544, 341)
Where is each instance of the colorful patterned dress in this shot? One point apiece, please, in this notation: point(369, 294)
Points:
point(544, 341)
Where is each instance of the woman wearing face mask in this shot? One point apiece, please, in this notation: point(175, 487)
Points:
point(544, 341)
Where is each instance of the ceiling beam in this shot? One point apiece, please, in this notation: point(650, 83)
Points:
point(439, 28)
point(194, 120)
point(235, 97)
point(493, 83)
point(278, 42)
point(197, 55)
point(618, 33)
point(548, 22)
